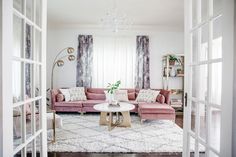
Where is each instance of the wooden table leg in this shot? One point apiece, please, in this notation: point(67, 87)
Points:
point(126, 119)
point(103, 118)
point(110, 121)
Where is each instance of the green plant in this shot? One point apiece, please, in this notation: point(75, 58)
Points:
point(113, 87)
point(173, 58)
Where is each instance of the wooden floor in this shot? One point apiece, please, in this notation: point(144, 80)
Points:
point(179, 122)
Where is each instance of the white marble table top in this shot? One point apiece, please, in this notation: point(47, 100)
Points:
point(104, 107)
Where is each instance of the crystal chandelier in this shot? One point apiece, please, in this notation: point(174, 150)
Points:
point(115, 21)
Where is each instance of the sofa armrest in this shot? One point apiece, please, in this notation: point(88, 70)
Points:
point(166, 94)
point(54, 93)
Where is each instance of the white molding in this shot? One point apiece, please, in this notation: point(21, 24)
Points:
point(227, 80)
point(43, 79)
point(147, 28)
point(6, 114)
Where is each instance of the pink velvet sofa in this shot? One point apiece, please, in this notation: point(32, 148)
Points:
point(145, 110)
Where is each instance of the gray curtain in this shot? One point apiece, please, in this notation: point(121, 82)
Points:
point(28, 55)
point(84, 61)
point(142, 73)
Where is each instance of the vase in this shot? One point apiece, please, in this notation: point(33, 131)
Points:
point(110, 98)
point(172, 62)
point(172, 72)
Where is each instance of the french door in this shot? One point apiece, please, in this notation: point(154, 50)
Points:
point(23, 72)
point(209, 74)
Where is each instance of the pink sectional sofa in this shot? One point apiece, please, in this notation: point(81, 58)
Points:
point(96, 95)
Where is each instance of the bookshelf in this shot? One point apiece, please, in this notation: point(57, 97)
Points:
point(173, 79)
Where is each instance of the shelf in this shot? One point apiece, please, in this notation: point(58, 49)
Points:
point(174, 65)
point(174, 76)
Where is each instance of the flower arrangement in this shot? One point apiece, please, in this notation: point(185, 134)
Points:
point(113, 87)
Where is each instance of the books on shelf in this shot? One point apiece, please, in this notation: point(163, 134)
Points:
point(176, 103)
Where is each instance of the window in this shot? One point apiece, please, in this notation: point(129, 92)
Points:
point(114, 59)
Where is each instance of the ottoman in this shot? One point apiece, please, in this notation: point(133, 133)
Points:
point(156, 111)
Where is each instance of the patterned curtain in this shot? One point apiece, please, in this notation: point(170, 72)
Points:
point(142, 73)
point(28, 55)
point(84, 61)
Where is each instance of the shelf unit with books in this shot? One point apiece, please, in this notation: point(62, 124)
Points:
point(173, 79)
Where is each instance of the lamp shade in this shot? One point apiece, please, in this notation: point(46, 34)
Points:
point(60, 63)
point(71, 57)
point(70, 50)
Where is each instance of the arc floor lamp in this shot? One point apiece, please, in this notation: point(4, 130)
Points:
point(59, 60)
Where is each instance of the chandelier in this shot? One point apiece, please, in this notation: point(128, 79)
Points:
point(115, 21)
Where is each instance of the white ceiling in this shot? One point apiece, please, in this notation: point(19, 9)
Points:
point(142, 12)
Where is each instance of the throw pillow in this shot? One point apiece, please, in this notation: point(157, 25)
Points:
point(147, 95)
point(77, 94)
point(66, 94)
point(161, 98)
point(121, 95)
point(94, 96)
point(60, 97)
point(131, 96)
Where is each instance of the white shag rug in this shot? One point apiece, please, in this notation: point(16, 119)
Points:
point(84, 134)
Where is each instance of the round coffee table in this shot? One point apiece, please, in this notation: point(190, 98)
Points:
point(121, 110)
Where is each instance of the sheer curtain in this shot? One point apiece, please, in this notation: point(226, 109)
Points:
point(114, 59)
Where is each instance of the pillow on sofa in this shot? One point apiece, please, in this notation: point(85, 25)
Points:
point(77, 94)
point(94, 96)
point(66, 94)
point(131, 96)
point(60, 97)
point(147, 95)
point(121, 95)
point(161, 98)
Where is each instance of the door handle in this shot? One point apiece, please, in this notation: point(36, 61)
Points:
point(186, 99)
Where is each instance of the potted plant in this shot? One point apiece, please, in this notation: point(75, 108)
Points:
point(173, 59)
point(111, 90)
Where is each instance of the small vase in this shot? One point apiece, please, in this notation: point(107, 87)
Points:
point(172, 72)
point(172, 62)
point(110, 98)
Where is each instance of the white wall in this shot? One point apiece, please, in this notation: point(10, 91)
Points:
point(162, 40)
point(234, 101)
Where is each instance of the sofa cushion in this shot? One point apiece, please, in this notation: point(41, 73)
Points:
point(95, 96)
point(92, 102)
point(66, 94)
point(60, 97)
point(77, 94)
point(131, 96)
point(155, 108)
point(96, 90)
point(121, 95)
point(166, 93)
point(161, 98)
point(147, 95)
point(69, 104)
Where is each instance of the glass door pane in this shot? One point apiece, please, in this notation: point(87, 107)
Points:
point(28, 42)
point(18, 5)
point(18, 36)
point(29, 9)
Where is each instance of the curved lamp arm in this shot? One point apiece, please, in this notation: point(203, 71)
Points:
point(55, 62)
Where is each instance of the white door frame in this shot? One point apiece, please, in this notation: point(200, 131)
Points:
point(227, 79)
point(6, 105)
point(6, 119)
